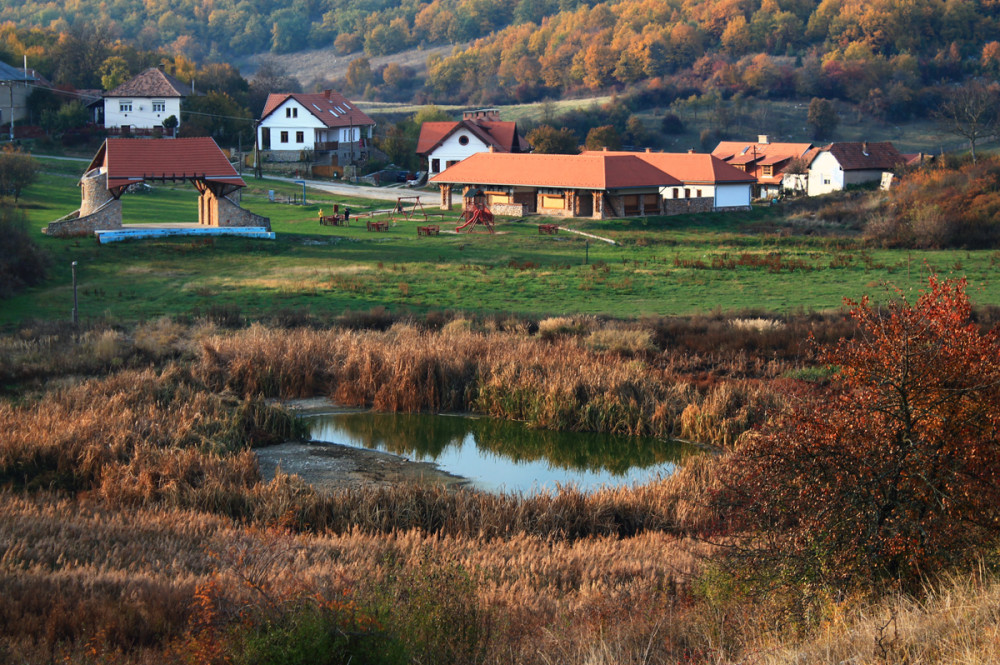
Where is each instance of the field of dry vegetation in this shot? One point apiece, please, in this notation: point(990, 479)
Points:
point(135, 526)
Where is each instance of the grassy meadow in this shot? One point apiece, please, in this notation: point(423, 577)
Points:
point(693, 264)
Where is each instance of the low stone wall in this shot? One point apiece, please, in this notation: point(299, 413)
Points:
point(232, 215)
point(686, 206)
point(109, 216)
point(509, 209)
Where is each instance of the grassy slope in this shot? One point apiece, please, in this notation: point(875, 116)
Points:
point(654, 270)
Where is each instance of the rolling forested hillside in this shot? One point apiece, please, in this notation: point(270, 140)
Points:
point(888, 57)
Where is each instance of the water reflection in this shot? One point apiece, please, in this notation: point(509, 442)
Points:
point(500, 455)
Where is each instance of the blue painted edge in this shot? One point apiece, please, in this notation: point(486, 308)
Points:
point(116, 235)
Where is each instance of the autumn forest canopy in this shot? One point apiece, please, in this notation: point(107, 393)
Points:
point(882, 55)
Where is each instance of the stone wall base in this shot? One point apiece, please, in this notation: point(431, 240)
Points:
point(107, 217)
point(508, 209)
point(686, 206)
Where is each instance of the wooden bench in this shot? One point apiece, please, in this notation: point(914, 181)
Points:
point(378, 226)
point(549, 229)
point(429, 230)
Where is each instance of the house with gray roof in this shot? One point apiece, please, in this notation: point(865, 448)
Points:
point(140, 105)
point(15, 86)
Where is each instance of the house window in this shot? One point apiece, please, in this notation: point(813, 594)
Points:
point(292, 112)
point(463, 140)
point(284, 137)
point(698, 193)
point(826, 180)
point(159, 106)
point(300, 137)
point(677, 193)
point(435, 165)
point(687, 193)
point(125, 106)
point(768, 171)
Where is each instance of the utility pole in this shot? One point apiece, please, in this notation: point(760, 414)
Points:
point(256, 151)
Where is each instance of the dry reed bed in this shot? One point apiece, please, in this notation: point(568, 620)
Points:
point(70, 574)
point(557, 384)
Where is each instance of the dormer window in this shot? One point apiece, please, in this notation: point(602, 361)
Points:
point(768, 170)
point(125, 106)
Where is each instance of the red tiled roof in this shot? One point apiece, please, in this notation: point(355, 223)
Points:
point(597, 171)
point(691, 167)
point(861, 156)
point(501, 135)
point(729, 149)
point(132, 160)
point(331, 108)
point(151, 83)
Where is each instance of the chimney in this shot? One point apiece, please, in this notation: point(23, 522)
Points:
point(762, 138)
point(690, 151)
point(493, 149)
point(649, 150)
point(864, 148)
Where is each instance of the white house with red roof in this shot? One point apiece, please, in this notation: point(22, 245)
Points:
point(140, 105)
point(323, 122)
point(599, 184)
point(444, 144)
point(837, 166)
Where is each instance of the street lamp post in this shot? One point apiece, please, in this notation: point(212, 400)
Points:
point(76, 310)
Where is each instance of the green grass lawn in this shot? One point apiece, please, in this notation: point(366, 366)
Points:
point(660, 266)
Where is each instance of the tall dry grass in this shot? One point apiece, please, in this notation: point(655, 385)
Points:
point(563, 383)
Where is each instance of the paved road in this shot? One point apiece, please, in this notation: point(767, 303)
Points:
point(390, 193)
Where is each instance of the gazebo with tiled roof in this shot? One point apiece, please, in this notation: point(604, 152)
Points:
point(122, 163)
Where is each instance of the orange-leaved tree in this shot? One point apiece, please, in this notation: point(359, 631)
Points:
point(890, 475)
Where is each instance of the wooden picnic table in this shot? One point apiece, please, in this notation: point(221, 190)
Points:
point(429, 230)
point(549, 229)
point(378, 226)
point(333, 220)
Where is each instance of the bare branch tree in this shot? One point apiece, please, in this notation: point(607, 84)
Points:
point(971, 111)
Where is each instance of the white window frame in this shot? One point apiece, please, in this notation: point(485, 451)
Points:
point(159, 106)
point(124, 105)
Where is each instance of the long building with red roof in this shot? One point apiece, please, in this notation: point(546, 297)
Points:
point(599, 184)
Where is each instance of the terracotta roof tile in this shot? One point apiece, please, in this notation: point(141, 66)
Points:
point(133, 160)
point(691, 167)
point(329, 107)
point(596, 171)
point(151, 83)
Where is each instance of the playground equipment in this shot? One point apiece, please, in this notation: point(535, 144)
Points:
point(475, 212)
point(411, 212)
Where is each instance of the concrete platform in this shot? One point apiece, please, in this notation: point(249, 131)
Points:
point(143, 231)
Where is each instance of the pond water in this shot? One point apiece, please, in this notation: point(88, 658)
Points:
point(496, 455)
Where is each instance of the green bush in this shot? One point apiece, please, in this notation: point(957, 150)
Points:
point(22, 261)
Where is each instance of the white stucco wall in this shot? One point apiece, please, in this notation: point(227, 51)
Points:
point(13, 95)
point(825, 175)
point(142, 115)
point(452, 150)
point(734, 195)
point(300, 120)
